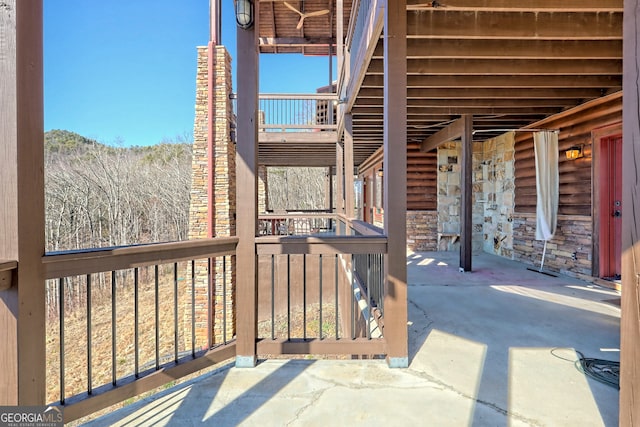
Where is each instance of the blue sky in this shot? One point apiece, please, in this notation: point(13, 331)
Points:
point(123, 71)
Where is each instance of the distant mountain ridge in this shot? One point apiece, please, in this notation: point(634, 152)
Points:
point(67, 142)
point(58, 140)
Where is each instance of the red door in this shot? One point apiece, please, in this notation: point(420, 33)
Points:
point(610, 206)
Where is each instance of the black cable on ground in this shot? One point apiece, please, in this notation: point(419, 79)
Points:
point(605, 371)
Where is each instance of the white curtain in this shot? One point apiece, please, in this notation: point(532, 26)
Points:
point(546, 151)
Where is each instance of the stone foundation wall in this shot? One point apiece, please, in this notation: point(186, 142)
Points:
point(570, 250)
point(422, 230)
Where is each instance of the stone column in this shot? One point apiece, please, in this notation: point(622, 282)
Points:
point(263, 189)
point(224, 194)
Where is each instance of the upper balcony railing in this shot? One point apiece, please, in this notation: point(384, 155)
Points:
point(297, 112)
point(365, 28)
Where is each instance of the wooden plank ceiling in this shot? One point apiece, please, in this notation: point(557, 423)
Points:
point(508, 63)
point(279, 31)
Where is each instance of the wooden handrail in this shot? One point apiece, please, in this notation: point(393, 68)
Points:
point(292, 126)
point(281, 96)
point(8, 265)
point(365, 228)
point(275, 245)
point(296, 215)
point(73, 263)
point(355, 5)
point(6, 269)
point(311, 96)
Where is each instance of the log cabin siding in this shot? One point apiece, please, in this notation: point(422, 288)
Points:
point(576, 126)
point(422, 179)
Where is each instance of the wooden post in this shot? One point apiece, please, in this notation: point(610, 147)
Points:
point(22, 307)
point(329, 190)
point(348, 166)
point(247, 192)
point(340, 37)
point(466, 207)
point(395, 182)
point(339, 178)
point(630, 321)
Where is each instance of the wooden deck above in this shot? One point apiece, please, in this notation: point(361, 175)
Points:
point(509, 64)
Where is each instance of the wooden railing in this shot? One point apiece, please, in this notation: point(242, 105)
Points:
point(136, 310)
point(6, 273)
point(289, 112)
point(296, 223)
point(310, 299)
point(116, 289)
point(364, 31)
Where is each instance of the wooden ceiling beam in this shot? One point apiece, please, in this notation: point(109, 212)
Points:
point(505, 49)
point(524, 111)
point(520, 5)
point(449, 133)
point(295, 41)
point(507, 67)
point(508, 25)
point(468, 93)
point(481, 102)
point(298, 137)
point(568, 81)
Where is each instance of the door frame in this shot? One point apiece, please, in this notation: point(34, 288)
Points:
point(597, 135)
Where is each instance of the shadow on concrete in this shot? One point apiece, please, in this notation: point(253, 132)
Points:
point(513, 312)
point(240, 408)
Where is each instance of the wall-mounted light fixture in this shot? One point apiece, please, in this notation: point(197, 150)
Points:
point(244, 13)
point(574, 152)
point(380, 172)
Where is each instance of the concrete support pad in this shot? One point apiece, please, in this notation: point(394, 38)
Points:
point(246, 361)
point(398, 362)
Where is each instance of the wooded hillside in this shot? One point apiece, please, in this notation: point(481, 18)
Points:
point(98, 195)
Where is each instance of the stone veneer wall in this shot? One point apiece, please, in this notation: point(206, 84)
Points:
point(263, 198)
point(422, 229)
point(569, 251)
point(511, 234)
point(493, 188)
point(493, 200)
point(449, 193)
point(224, 191)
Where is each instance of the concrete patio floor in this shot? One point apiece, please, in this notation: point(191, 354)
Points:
point(494, 347)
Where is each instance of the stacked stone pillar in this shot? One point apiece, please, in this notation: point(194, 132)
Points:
point(263, 190)
point(223, 182)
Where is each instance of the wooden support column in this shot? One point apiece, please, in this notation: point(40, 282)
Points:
point(247, 193)
point(395, 183)
point(339, 178)
point(630, 321)
point(466, 192)
point(340, 37)
point(330, 189)
point(22, 307)
point(348, 166)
